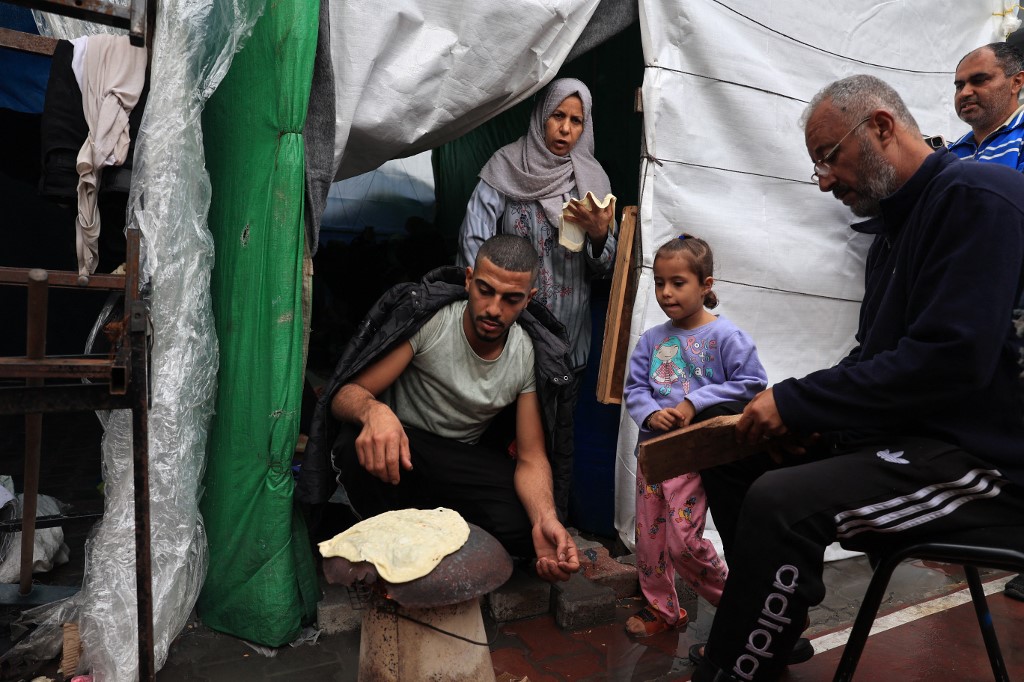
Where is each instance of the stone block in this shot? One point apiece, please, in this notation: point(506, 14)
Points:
point(524, 595)
point(580, 603)
point(335, 613)
point(583, 544)
point(608, 572)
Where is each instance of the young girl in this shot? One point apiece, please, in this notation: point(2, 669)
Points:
point(679, 370)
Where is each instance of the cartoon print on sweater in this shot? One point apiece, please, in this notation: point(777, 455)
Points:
point(668, 366)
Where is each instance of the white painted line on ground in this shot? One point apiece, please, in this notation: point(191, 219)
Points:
point(907, 615)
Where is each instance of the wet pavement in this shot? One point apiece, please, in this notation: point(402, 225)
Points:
point(940, 640)
point(931, 631)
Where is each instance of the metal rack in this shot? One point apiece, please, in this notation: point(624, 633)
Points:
point(120, 379)
point(139, 16)
point(121, 382)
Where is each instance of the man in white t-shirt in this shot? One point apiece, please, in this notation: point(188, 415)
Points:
point(424, 405)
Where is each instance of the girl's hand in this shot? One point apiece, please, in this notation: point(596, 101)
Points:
point(665, 420)
point(687, 412)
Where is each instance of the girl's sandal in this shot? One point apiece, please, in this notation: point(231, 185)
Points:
point(652, 623)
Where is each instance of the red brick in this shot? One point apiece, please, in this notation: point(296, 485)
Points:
point(608, 572)
point(516, 663)
point(543, 638)
point(579, 667)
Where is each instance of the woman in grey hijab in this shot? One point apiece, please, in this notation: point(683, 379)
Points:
point(521, 191)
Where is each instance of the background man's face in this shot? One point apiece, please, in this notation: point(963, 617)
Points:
point(985, 96)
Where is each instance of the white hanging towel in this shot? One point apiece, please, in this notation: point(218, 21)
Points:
point(113, 75)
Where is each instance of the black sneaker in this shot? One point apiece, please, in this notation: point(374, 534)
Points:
point(1015, 588)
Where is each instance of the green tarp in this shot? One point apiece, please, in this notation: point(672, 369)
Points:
point(262, 583)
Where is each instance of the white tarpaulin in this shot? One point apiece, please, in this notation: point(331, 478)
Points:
point(724, 87)
point(413, 74)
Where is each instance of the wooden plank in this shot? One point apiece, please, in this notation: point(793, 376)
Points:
point(692, 448)
point(64, 278)
point(611, 373)
point(27, 42)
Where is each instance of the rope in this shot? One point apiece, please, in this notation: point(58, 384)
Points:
point(819, 49)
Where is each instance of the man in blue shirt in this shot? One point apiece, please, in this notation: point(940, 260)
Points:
point(988, 81)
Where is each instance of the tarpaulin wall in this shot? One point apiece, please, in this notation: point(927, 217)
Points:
point(261, 584)
point(724, 87)
point(414, 74)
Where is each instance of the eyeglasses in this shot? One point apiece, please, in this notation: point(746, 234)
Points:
point(822, 169)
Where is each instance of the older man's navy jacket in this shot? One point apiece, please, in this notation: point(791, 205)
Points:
point(938, 353)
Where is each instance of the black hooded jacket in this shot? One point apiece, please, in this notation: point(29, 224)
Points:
point(394, 318)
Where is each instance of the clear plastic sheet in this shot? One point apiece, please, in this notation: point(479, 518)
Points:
point(195, 42)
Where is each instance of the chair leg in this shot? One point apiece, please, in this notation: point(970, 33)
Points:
point(866, 617)
point(988, 631)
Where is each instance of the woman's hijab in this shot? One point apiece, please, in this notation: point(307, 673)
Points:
point(527, 169)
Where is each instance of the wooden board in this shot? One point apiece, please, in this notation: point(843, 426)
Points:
point(611, 373)
point(27, 42)
point(692, 448)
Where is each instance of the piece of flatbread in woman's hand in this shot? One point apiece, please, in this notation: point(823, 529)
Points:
point(571, 235)
point(404, 545)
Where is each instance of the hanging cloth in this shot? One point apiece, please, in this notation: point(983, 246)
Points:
point(113, 75)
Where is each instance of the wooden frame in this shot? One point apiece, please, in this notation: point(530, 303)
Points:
point(612, 370)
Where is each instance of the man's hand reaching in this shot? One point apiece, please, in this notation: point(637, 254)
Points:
point(557, 556)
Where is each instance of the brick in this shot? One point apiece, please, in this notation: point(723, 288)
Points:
point(589, 665)
point(606, 571)
point(523, 596)
point(335, 613)
point(583, 544)
point(544, 640)
point(580, 603)
point(589, 556)
point(512, 665)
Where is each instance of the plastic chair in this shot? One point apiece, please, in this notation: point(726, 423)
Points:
point(999, 548)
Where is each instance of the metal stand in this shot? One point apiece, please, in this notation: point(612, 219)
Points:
point(123, 383)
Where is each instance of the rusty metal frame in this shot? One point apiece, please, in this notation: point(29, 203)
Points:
point(138, 16)
point(125, 385)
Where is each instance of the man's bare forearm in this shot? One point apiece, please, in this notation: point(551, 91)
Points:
point(533, 486)
point(353, 403)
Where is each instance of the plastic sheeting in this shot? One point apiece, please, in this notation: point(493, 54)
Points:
point(195, 41)
point(383, 199)
point(262, 583)
point(725, 85)
point(413, 74)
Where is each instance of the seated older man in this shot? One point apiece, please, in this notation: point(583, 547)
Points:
point(919, 429)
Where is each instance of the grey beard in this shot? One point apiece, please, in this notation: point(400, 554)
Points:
point(877, 181)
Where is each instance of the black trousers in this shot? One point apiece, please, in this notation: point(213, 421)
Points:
point(475, 481)
point(777, 521)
